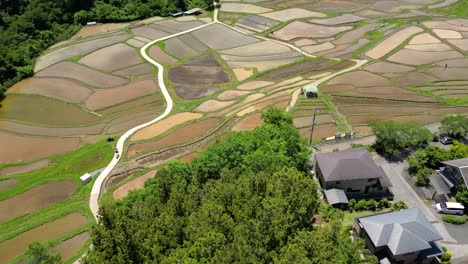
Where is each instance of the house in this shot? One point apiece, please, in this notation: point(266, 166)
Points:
point(310, 91)
point(448, 178)
point(400, 237)
point(353, 172)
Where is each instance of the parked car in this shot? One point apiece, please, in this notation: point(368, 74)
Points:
point(446, 140)
point(450, 208)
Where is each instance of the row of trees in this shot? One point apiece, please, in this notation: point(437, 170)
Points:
point(28, 27)
point(246, 199)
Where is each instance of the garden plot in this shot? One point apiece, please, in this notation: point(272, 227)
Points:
point(69, 247)
point(389, 44)
point(243, 8)
point(24, 168)
point(52, 87)
point(165, 125)
point(343, 19)
point(159, 55)
point(49, 231)
point(256, 23)
point(21, 148)
point(42, 110)
point(7, 184)
point(202, 70)
point(248, 123)
point(105, 98)
point(181, 135)
point(136, 70)
point(112, 58)
point(149, 32)
point(226, 38)
point(320, 132)
point(135, 184)
point(387, 67)
point(25, 129)
point(361, 79)
point(299, 29)
point(179, 49)
point(413, 57)
point(83, 74)
point(75, 50)
point(96, 29)
point(36, 198)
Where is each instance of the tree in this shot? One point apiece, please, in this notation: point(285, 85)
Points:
point(456, 126)
point(393, 137)
point(38, 253)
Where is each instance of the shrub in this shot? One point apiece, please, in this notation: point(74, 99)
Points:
point(435, 137)
point(421, 180)
point(398, 205)
point(383, 203)
point(351, 204)
point(328, 212)
point(446, 256)
point(456, 220)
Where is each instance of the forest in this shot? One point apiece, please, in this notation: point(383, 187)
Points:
point(29, 27)
point(246, 199)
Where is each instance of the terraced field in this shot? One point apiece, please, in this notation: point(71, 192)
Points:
point(96, 86)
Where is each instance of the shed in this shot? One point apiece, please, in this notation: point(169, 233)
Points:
point(193, 11)
point(336, 197)
point(92, 23)
point(178, 14)
point(85, 178)
point(310, 91)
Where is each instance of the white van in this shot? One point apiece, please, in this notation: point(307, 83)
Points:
point(450, 208)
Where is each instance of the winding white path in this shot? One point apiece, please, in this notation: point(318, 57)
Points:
point(97, 186)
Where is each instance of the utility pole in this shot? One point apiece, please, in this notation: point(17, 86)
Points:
point(313, 125)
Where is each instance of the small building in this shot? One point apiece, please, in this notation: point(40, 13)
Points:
point(354, 172)
point(336, 197)
point(92, 23)
point(193, 11)
point(401, 237)
point(178, 14)
point(448, 178)
point(310, 91)
point(87, 177)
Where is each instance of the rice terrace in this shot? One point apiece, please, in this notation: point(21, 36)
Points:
point(120, 99)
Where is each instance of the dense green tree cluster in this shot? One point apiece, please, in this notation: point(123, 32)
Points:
point(456, 126)
point(393, 137)
point(38, 253)
point(28, 27)
point(423, 162)
point(246, 199)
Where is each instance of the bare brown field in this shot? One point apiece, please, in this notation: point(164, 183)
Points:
point(136, 70)
point(96, 29)
point(343, 19)
point(408, 96)
point(336, 5)
point(374, 109)
point(112, 58)
point(340, 100)
point(192, 42)
point(306, 121)
point(25, 129)
point(189, 157)
point(149, 32)
point(462, 63)
point(226, 37)
point(243, 8)
point(105, 98)
point(459, 92)
point(389, 44)
point(132, 121)
point(384, 67)
point(231, 95)
point(43, 233)
point(52, 87)
point(213, 105)
point(156, 53)
point(298, 68)
point(164, 125)
point(249, 122)
point(360, 129)
point(429, 47)
point(117, 110)
point(191, 92)
point(7, 184)
point(254, 85)
point(36, 198)
point(361, 79)
point(299, 29)
point(83, 74)
point(414, 78)
point(179, 136)
point(384, 90)
point(69, 247)
point(179, 49)
point(461, 43)
point(202, 70)
point(449, 73)
point(135, 184)
point(447, 34)
point(20, 149)
point(420, 119)
point(76, 49)
point(320, 132)
point(230, 110)
point(25, 168)
point(263, 105)
point(413, 57)
point(337, 88)
point(366, 118)
point(424, 38)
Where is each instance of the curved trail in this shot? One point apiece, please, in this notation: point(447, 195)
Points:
point(97, 186)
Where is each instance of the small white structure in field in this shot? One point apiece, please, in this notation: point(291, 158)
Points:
point(87, 177)
point(92, 23)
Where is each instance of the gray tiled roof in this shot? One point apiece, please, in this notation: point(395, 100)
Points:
point(462, 165)
point(402, 232)
point(336, 196)
point(351, 164)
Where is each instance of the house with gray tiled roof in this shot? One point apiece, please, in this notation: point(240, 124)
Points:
point(402, 237)
point(353, 173)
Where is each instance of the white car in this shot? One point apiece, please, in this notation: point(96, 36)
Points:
point(450, 208)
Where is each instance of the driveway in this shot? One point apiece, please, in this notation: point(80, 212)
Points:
point(455, 238)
